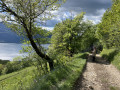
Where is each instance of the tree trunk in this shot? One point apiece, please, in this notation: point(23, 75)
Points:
point(28, 31)
point(49, 60)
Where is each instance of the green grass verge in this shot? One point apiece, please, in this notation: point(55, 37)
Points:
point(113, 56)
point(20, 80)
point(62, 78)
point(113, 88)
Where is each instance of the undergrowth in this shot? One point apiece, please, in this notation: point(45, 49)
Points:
point(62, 78)
point(113, 56)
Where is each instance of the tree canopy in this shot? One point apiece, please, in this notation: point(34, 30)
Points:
point(72, 35)
point(109, 28)
point(23, 15)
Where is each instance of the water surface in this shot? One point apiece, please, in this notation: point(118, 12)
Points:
point(10, 50)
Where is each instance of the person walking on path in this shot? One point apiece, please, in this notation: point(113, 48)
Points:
point(94, 54)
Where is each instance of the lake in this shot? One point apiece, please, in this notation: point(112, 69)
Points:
point(10, 50)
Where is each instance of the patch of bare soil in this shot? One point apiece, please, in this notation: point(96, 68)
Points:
point(99, 75)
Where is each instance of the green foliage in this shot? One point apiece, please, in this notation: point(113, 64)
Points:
point(114, 88)
point(41, 35)
point(62, 78)
point(108, 30)
point(71, 36)
point(112, 55)
point(21, 80)
point(23, 17)
point(18, 63)
point(4, 71)
point(1, 68)
point(64, 36)
point(82, 55)
point(88, 38)
point(108, 54)
point(4, 61)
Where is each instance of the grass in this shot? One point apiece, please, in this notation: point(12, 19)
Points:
point(113, 56)
point(114, 88)
point(20, 80)
point(2, 77)
point(62, 78)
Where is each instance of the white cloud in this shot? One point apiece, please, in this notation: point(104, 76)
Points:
point(48, 28)
point(95, 18)
point(101, 11)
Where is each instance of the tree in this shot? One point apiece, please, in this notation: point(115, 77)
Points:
point(65, 35)
point(23, 16)
point(108, 30)
point(88, 37)
point(72, 36)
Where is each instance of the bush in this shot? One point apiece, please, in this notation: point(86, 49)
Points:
point(15, 65)
point(1, 68)
point(4, 61)
point(4, 71)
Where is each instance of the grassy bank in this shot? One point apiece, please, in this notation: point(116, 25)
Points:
point(62, 78)
point(20, 80)
point(113, 56)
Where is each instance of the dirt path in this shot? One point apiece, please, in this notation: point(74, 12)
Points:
point(99, 75)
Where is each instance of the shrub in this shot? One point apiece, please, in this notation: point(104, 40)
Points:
point(4, 71)
point(4, 61)
point(1, 68)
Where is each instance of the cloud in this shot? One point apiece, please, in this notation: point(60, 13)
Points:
point(89, 6)
point(48, 28)
point(95, 18)
point(94, 10)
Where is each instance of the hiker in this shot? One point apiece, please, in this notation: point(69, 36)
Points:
point(93, 54)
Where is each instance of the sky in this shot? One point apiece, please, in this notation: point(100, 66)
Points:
point(94, 11)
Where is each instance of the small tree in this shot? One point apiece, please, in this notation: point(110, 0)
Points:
point(66, 34)
point(72, 36)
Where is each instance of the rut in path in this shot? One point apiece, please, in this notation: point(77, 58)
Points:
point(99, 75)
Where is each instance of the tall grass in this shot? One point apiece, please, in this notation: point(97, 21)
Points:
point(62, 78)
point(20, 80)
point(113, 56)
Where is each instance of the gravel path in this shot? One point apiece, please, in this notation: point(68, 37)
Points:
point(99, 75)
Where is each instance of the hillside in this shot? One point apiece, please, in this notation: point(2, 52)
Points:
point(62, 78)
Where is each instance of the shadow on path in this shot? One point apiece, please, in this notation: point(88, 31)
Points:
point(98, 59)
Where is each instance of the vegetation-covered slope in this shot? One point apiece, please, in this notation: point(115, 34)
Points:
point(113, 56)
point(63, 77)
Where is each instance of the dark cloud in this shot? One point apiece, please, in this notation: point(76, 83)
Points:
point(88, 6)
point(94, 10)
